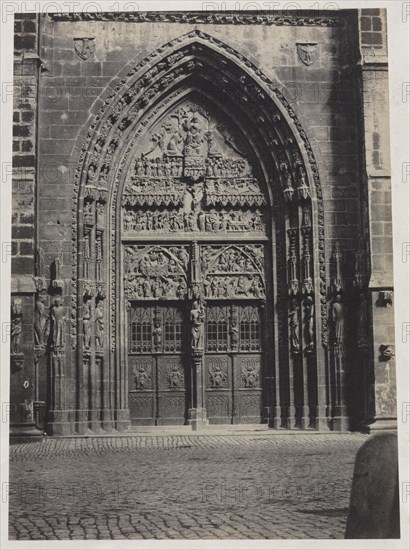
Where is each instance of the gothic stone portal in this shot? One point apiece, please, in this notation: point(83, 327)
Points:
point(194, 235)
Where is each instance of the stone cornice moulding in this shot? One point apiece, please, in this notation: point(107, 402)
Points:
point(286, 18)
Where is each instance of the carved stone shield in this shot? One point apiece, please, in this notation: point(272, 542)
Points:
point(84, 47)
point(307, 52)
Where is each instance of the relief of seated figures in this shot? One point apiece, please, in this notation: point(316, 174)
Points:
point(203, 221)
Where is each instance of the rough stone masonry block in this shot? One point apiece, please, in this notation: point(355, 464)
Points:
point(374, 511)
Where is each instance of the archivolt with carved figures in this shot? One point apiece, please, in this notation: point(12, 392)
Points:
point(197, 184)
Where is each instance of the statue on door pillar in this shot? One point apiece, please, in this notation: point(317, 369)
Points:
point(197, 330)
point(338, 318)
point(99, 325)
point(87, 324)
point(57, 323)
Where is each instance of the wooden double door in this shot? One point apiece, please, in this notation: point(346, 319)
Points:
point(160, 362)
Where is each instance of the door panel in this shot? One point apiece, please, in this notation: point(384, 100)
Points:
point(247, 388)
point(171, 390)
point(157, 364)
point(233, 362)
point(218, 373)
point(141, 384)
point(159, 340)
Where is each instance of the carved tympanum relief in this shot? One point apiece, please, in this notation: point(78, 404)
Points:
point(192, 178)
point(233, 272)
point(154, 272)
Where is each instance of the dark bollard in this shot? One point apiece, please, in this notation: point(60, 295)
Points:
point(374, 511)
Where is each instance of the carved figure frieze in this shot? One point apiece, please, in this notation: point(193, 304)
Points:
point(233, 192)
point(241, 286)
point(228, 221)
point(155, 272)
point(154, 192)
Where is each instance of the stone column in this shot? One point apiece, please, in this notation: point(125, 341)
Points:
point(377, 226)
point(197, 413)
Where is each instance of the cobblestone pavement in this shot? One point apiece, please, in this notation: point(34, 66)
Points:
point(250, 486)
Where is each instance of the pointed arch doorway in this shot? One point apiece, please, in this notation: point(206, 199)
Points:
point(195, 236)
point(200, 248)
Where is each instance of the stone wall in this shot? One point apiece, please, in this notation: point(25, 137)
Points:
point(377, 203)
point(26, 67)
point(326, 92)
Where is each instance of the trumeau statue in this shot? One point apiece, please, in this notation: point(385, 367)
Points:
point(197, 326)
